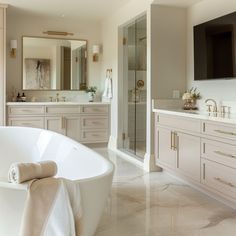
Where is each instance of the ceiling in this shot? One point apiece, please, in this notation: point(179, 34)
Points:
point(79, 9)
point(73, 9)
point(178, 3)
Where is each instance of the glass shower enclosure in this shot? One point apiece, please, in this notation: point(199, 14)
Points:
point(134, 87)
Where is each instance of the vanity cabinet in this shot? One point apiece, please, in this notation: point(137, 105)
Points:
point(166, 153)
point(220, 178)
point(64, 120)
point(188, 155)
point(33, 122)
point(66, 125)
point(54, 123)
point(72, 128)
point(83, 123)
point(201, 152)
point(27, 116)
point(178, 151)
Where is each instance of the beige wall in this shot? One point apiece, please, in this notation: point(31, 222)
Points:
point(199, 13)
point(19, 25)
point(168, 51)
point(2, 63)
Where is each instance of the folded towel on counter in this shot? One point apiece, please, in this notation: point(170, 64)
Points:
point(53, 207)
point(22, 172)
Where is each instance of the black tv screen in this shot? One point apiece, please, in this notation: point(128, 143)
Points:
point(214, 49)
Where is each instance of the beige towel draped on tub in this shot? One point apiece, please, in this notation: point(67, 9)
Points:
point(53, 207)
point(21, 172)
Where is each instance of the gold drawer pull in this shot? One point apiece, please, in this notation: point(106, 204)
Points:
point(97, 123)
point(224, 154)
point(27, 110)
point(225, 132)
point(171, 140)
point(27, 124)
point(94, 109)
point(225, 182)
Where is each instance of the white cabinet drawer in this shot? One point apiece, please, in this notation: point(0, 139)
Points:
point(219, 152)
point(91, 122)
point(62, 110)
point(94, 136)
point(220, 178)
point(219, 130)
point(177, 122)
point(93, 109)
point(25, 110)
point(34, 122)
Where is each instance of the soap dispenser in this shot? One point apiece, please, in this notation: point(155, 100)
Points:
point(23, 97)
point(18, 98)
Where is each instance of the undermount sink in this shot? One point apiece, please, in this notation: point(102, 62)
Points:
point(210, 114)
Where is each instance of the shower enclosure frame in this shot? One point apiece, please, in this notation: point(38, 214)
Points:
point(123, 66)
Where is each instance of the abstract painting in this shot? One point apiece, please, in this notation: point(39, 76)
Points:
point(37, 73)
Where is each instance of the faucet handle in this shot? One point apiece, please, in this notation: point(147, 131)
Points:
point(223, 109)
point(209, 108)
point(57, 98)
point(51, 98)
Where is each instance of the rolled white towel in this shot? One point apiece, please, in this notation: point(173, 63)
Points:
point(22, 172)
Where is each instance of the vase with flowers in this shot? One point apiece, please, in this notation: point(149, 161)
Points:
point(190, 98)
point(91, 92)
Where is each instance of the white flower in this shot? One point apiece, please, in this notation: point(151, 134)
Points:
point(187, 96)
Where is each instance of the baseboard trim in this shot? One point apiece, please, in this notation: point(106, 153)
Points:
point(112, 144)
point(150, 164)
point(130, 158)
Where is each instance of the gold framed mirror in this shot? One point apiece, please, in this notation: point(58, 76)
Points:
point(54, 64)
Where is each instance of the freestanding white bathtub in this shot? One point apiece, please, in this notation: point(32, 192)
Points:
point(76, 162)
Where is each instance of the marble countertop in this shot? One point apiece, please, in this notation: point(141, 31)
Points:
point(55, 103)
point(218, 117)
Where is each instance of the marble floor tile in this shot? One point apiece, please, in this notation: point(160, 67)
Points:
point(157, 204)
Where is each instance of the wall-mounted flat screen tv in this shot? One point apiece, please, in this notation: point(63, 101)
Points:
point(214, 49)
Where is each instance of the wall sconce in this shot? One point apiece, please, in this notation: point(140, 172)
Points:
point(96, 51)
point(13, 47)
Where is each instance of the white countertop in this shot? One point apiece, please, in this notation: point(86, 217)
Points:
point(55, 103)
point(218, 117)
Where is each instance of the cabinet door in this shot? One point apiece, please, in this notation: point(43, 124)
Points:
point(165, 152)
point(33, 122)
point(55, 124)
point(188, 155)
point(72, 127)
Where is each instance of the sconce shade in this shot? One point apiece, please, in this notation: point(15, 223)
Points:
point(13, 44)
point(96, 49)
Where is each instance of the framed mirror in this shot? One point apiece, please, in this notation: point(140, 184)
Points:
point(54, 64)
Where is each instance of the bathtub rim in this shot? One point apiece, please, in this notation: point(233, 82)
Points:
point(110, 166)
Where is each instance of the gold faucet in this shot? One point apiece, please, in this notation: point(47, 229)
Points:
point(209, 106)
point(57, 98)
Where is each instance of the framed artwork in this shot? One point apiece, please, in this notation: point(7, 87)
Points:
point(37, 73)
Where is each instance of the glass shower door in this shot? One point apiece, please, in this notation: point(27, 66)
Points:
point(135, 61)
